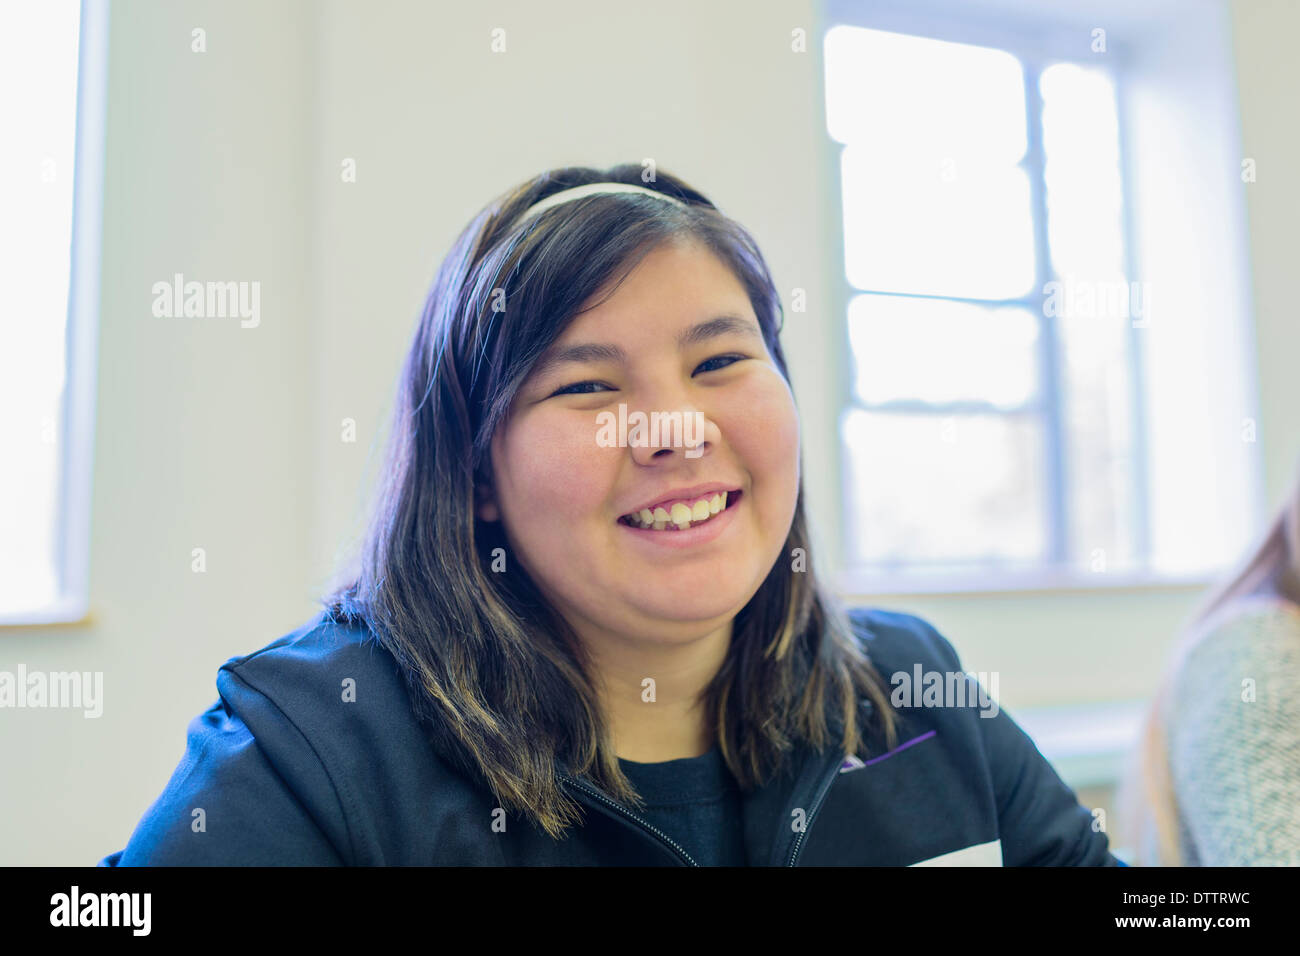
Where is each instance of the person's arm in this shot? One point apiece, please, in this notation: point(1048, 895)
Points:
point(1235, 761)
point(1040, 820)
point(226, 805)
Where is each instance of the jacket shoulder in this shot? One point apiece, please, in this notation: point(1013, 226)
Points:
point(313, 754)
point(318, 656)
point(329, 707)
point(896, 640)
point(1036, 818)
point(329, 687)
point(315, 640)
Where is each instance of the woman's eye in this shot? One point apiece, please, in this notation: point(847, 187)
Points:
point(579, 388)
point(569, 389)
point(719, 358)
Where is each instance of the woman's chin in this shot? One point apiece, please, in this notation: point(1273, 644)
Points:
point(699, 603)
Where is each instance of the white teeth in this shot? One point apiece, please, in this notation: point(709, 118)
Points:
point(682, 515)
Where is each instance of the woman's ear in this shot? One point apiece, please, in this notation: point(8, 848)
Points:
point(485, 503)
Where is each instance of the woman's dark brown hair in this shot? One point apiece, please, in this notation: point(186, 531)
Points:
point(495, 673)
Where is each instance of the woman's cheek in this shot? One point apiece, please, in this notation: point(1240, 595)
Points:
point(559, 475)
point(764, 424)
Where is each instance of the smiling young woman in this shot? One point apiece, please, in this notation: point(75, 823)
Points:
point(547, 635)
point(608, 297)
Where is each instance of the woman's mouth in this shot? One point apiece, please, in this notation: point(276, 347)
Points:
point(683, 515)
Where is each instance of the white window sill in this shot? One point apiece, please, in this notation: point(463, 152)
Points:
point(1088, 745)
point(73, 611)
point(863, 581)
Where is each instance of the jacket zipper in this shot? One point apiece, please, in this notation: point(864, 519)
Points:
point(634, 818)
point(817, 805)
point(821, 797)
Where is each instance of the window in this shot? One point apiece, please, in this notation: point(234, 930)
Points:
point(52, 73)
point(997, 419)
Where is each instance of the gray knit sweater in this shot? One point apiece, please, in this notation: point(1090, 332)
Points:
point(1235, 761)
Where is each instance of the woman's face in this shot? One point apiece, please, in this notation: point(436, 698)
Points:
point(561, 487)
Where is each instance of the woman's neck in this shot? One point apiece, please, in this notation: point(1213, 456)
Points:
point(650, 692)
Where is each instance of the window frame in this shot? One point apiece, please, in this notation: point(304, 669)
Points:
point(1036, 47)
point(71, 529)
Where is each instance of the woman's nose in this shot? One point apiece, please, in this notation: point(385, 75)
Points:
point(683, 431)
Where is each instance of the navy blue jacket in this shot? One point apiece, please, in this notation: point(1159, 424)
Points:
point(283, 770)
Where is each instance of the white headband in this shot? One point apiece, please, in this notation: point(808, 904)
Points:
point(591, 189)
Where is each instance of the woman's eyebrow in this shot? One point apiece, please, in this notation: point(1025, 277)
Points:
point(600, 352)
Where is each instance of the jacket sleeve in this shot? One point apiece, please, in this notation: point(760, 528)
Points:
point(226, 805)
point(1040, 820)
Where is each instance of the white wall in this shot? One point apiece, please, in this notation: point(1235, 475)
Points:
point(439, 125)
point(203, 432)
point(225, 165)
point(1268, 83)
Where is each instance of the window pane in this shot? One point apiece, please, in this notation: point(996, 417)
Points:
point(917, 224)
point(1099, 452)
point(934, 203)
point(944, 490)
point(1094, 304)
point(38, 81)
point(936, 351)
point(906, 94)
point(1084, 195)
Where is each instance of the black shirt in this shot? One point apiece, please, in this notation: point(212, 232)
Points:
point(695, 801)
